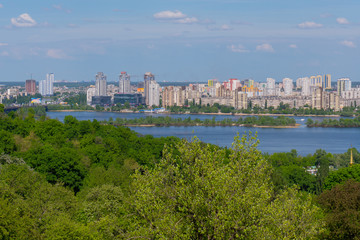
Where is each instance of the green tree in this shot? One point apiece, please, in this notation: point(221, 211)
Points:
point(342, 207)
point(200, 192)
point(342, 175)
point(7, 142)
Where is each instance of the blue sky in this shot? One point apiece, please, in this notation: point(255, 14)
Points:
point(179, 40)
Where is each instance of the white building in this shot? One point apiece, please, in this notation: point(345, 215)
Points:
point(288, 86)
point(154, 93)
point(270, 87)
point(343, 84)
point(89, 94)
point(124, 83)
point(100, 84)
point(305, 86)
point(46, 87)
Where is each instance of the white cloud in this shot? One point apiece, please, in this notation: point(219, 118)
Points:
point(293, 46)
point(3, 44)
point(56, 53)
point(342, 21)
point(169, 15)
point(225, 27)
point(24, 20)
point(175, 17)
point(310, 25)
point(348, 44)
point(4, 54)
point(266, 47)
point(238, 48)
point(187, 20)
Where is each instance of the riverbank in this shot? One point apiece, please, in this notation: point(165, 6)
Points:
point(167, 121)
point(203, 125)
point(187, 113)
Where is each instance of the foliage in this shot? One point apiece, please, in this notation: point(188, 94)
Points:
point(342, 175)
point(341, 123)
point(203, 194)
point(342, 206)
point(168, 121)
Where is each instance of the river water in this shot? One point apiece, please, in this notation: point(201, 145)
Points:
point(305, 140)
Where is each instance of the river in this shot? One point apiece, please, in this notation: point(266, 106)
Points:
point(305, 140)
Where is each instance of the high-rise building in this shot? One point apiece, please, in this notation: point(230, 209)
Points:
point(316, 81)
point(89, 94)
point(343, 84)
point(154, 93)
point(305, 86)
point(211, 82)
point(240, 100)
point(325, 100)
point(327, 81)
point(30, 86)
point(124, 83)
point(46, 86)
point(148, 77)
point(270, 86)
point(288, 86)
point(100, 84)
point(234, 84)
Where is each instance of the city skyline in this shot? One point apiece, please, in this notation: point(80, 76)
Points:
point(189, 41)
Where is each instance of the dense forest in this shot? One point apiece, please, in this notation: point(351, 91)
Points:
point(89, 180)
point(168, 121)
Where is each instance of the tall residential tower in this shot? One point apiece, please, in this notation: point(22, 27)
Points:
point(100, 84)
point(124, 83)
point(46, 86)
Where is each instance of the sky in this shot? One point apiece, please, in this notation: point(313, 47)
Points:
point(179, 40)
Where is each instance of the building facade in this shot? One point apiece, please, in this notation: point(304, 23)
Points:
point(30, 86)
point(100, 84)
point(46, 87)
point(148, 78)
point(124, 83)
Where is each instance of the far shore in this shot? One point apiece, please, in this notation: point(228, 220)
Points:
point(224, 114)
point(197, 125)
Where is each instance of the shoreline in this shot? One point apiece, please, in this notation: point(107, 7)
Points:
point(223, 114)
point(203, 125)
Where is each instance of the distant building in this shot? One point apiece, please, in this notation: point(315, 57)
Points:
point(30, 86)
point(101, 100)
point(211, 82)
point(305, 86)
point(327, 82)
point(240, 100)
point(46, 87)
point(134, 99)
point(288, 86)
point(89, 94)
point(316, 81)
point(234, 84)
point(100, 84)
point(343, 84)
point(124, 83)
point(153, 93)
point(270, 87)
point(325, 100)
point(148, 78)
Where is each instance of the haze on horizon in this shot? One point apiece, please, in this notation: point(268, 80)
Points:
point(179, 40)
